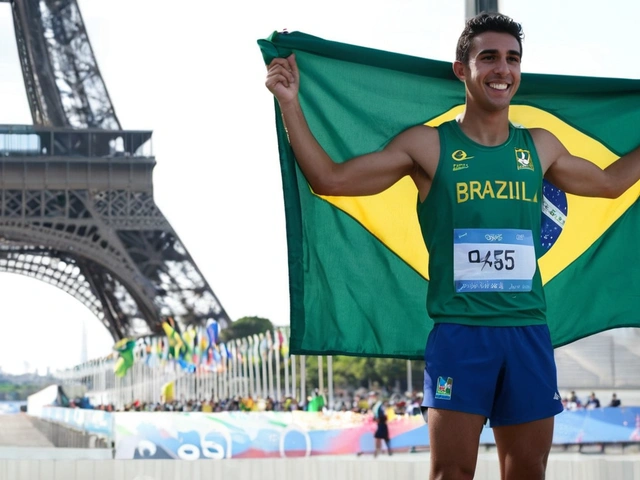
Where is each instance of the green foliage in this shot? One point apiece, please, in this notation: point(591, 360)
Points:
point(348, 372)
point(14, 392)
point(367, 372)
point(245, 327)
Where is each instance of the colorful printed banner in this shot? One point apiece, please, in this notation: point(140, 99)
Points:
point(192, 436)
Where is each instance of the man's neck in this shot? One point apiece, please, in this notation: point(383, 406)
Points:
point(486, 128)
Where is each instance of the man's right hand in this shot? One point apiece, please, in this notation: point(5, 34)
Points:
point(283, 78)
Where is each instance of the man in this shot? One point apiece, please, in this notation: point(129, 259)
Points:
point(592, 401)
point(379, 410)
point(489, 355)
point(615, 401)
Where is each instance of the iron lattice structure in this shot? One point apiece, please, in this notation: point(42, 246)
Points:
point(76, 192)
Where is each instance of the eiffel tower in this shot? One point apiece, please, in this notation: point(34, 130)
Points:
point(76, 190)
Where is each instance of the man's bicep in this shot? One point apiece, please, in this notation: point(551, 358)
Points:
point(577, 176)
point(567, 172)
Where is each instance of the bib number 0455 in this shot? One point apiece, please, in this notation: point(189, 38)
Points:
point(496, 259)
point(490, 260)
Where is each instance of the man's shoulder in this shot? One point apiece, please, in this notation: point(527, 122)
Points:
point(421, 129)
point(547, 144)
point(418, 135)
point(541, 134)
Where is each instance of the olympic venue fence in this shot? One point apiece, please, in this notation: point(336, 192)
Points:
point(226, 435)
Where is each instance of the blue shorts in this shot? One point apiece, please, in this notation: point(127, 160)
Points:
point(506, 374)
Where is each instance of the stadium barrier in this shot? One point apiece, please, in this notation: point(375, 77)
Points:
point(227, 435)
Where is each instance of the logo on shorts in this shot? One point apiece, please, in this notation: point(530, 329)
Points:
point(443, 388)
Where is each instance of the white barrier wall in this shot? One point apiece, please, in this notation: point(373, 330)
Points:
point(565, 466)
point(97, 422)
point(38, 400)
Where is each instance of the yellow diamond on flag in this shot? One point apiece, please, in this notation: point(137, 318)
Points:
point(391, 215)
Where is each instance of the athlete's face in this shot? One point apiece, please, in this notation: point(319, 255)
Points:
point(492, 74)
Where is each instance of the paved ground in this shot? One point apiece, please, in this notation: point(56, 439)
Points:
point(17, 431)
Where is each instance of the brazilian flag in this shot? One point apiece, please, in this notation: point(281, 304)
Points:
point(125, 359)
point(358, 265)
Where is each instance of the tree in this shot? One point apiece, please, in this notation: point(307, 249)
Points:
point(245, 327)
point(354, 372)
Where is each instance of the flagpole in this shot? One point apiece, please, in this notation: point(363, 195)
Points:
point(225, 371)
point(330, 380)
point(263, 359)
point(240, 373)
point(294, 392)
point(208, 384)
point(320, 376)
point(303, 380)
point(214, 382)
point(235, 389)
point(270, 365)
point(234, 369)
point(277, 348)
point(256, 365)
point(285, 361)
point(245, 373)
point(252, 390)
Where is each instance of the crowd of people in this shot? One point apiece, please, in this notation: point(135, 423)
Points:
point(573, 402)
point(394, 405)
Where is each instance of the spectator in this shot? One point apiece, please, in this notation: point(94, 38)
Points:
point(207, 407)
point(382, 430)
point(572, 402)
point(592, 402)
point(316, 404)
point(615, 401)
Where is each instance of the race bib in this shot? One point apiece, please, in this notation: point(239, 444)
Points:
point(493, 260)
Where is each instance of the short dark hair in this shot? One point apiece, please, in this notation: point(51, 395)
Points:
point(486, 22)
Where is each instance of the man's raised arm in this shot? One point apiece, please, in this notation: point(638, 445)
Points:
point(364, 175)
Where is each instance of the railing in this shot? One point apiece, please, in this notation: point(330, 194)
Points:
point(33, 141)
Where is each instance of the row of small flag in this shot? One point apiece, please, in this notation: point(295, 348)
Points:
point(198, 347)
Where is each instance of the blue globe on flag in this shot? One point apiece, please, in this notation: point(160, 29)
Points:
point(554, 215)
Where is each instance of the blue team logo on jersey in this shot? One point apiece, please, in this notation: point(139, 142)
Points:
point(554, 215)
point(443, 388)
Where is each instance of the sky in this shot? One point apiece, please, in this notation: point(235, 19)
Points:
point(192, 72)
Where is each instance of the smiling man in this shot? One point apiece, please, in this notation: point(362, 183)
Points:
point(489, 355)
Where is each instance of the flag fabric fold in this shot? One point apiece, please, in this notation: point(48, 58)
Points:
point(176, 344)
point(125, 349)
point(358, 266)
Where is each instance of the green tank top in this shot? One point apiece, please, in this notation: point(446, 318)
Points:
point(481, 225)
